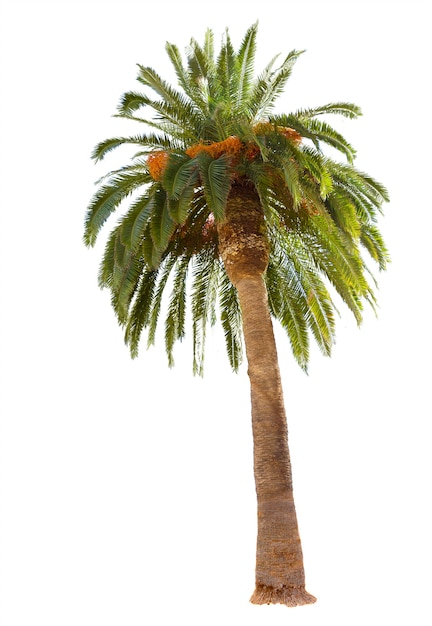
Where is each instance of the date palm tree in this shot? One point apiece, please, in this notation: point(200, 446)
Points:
point(241, 212)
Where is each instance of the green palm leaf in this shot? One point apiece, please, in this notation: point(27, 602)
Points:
point(135, 220)
point(271, 85)
point(162, 225)
point(215, 175)
point(285, 305)
point(226, 74)
point(372, 240)
point(131, 101)
point(139, 313)
point(164, 272)
point(149, 141)
point(180, 173)
point(231, 321)
point(245, 61)
point(107, 199)
point(325, 133)
point(176, 314)
point(346, 109)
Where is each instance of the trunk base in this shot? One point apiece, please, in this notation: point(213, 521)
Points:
point(290, 596)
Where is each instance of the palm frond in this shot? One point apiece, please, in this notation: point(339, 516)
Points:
point(176, 313)
point(201, 65)
point(372, 240)
point(314, 163)
point(215, 175)
point(177, 62)
point(270, 86)
point(203, 304)
point(325, 133)
point(334, 255)
point(132, 101)
point(120, 271)
point(285, 306)
point(344, 213)
point(259, 89)
point(150, 78)
point(360, 185)
point(181, 172)
point(226, 73)
point(126, 275)
point(245, 62)
point(346, 109)
point(162, 225)
point(135, 220)
point(320, 314)
point(139, 313)
point(208, 47)
point(231, 320)
point(165, 269)
point(107, 199)
point(292, 121)
point(299, 278)
point(148, 140)
point(178, 121)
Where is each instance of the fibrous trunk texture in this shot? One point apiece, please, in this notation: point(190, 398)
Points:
point(244, 250)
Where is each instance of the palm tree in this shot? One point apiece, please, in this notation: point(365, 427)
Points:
point(239, 209)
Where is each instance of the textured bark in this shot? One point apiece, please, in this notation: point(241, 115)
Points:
point(244, 249)
point(243, 244)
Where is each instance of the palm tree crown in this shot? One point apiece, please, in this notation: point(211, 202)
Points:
point(214, 133)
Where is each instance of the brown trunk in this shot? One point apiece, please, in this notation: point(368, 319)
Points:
point(244, 251)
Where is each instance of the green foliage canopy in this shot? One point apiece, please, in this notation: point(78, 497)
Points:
point(216, 129)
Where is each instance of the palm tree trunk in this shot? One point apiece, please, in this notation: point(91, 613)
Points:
point(279, 566)
point(244, 250)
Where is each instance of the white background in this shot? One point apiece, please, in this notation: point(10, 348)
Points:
point(127, 494)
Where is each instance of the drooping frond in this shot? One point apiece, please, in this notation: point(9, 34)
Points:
point(106, 200)
point(117, 263)
point(372, 240)
point(165, 269)
point(203, 303)
point(325, 133)
point(162, 225)
point(344, 214)
point(180, 173)
point(370, 194)
point(176, 313)
point(298, 297)
point(231, 320)
point(216, 182)
point(136, 219)
point(139, 313)
point(286, 306)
